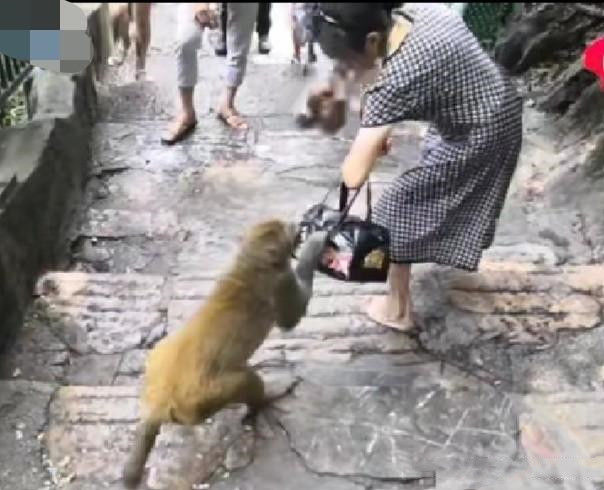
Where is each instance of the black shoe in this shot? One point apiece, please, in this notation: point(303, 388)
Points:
point(221, 49)
point(264, 46)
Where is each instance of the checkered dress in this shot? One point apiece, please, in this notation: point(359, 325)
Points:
point(445, 210)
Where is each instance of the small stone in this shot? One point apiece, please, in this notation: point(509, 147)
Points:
point(16, 373)
point(201, 486)
point(64, 462)
point(18, 435)
point(66, 479)
point(60, 359)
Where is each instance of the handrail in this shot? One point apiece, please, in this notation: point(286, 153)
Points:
point(13, 73)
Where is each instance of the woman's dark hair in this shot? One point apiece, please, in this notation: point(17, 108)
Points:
point(342, 26)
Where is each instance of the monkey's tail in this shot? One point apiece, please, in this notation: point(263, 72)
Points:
point(146, 433)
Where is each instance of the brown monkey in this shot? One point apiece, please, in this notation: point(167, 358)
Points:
point(202, 368)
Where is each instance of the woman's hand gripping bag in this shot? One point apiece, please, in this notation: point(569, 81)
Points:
point(356, 249)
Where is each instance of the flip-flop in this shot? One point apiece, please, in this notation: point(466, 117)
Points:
point(386, 323)
point(226, 119)
point(171, 139)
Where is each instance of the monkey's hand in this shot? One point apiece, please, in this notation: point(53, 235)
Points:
point(294, 289)
point(309, 257)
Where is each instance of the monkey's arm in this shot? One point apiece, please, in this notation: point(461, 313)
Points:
point(294, 290)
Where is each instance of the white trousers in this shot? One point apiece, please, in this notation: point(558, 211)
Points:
point(240, 28)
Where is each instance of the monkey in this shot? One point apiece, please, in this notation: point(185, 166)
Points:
point(201, 368)
point(295, 287)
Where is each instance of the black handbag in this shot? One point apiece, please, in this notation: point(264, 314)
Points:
point(356, 249)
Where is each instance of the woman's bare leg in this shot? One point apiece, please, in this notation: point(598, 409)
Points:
point(142, 19)
point(394, 310)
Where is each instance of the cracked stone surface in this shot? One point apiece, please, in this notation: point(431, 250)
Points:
point(501, 388)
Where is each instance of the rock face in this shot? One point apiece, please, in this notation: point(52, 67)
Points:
point(43, 170)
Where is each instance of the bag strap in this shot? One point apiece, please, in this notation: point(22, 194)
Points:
point(345, 205)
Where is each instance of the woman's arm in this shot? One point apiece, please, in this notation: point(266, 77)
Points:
point(368, 146)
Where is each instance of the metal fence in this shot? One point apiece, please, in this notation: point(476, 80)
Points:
point(12, 74)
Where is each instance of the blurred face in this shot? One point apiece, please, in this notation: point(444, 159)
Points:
point(365, 61)
point(336, 43)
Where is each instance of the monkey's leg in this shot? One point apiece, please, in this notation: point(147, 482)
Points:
point(244, 386)
point(146, 433)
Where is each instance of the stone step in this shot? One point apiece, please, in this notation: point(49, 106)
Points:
point(113, 313)
point(519, 302)
point(103, 313)
point(417, 425)
point(418, 412)
point(572, 424)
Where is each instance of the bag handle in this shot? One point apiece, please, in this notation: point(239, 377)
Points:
point(345, 205)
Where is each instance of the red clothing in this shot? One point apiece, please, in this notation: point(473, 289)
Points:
point(593, 59)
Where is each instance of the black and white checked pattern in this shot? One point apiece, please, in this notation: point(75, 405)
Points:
point(445, 210)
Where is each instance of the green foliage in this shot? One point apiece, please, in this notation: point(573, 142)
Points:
point(486, 20)
point(14, 112)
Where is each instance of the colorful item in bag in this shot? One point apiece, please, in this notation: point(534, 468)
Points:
point(337, 261)
point(593, 59)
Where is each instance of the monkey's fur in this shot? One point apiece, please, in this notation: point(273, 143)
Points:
point(203, 367)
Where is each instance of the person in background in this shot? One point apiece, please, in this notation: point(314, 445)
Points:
point(302, 31)
point(263, 26)
point(192, 19)
point(433, 69)
point(131, 21)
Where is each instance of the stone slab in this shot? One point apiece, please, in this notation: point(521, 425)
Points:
point(23, 409)
point(106, 313)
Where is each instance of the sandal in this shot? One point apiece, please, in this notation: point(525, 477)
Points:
point(183, 131)
point(232, 120)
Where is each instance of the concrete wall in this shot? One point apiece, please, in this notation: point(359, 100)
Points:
point(43, 169)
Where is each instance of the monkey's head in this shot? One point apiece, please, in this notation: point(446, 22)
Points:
point(268, 246)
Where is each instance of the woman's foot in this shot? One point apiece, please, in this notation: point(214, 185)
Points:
point(118, 58)
point(179, 130)
point(140, 75)
point(232, 118)
point(382, 310)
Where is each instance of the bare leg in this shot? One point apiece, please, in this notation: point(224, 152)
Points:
point(186, 119)
point(227, 111)
point(312, 57)
point(142, 19)
point(296, 58)
point(240, 28)
point(394, 310)
point(120, 20)
point(189, 39)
